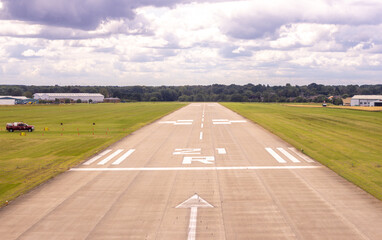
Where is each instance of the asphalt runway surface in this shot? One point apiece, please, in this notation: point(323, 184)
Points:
point(202, 172)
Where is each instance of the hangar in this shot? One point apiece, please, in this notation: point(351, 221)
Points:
point(366, 100)
point(11, 100)
point(84, 97)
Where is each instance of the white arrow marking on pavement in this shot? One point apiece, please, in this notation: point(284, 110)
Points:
point(194, 203)
point(184, 151)
point(226, 121)
point(178, 122)
point(205, 160)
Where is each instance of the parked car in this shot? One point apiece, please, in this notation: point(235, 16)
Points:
point(19, 126)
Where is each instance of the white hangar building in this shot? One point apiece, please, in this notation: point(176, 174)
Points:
point(366, 100)
point(10, 100)
point(84, 97)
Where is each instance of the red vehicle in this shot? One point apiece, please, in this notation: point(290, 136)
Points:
point(20, 126)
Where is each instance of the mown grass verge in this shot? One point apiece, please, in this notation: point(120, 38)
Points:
point(27, 161)
point(348, 142)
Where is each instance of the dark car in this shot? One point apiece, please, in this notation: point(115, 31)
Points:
point(19, 126)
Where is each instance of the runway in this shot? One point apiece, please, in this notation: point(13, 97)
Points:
point(202, 172)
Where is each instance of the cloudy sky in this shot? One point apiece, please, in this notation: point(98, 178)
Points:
point(178, 42)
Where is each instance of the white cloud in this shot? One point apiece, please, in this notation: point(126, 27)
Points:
point(202, 43)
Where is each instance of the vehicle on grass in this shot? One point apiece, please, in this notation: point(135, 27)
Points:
point(19, 126)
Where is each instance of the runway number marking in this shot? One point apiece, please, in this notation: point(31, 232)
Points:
point(226, 121)
point(221, 150)
point(194, 203)
point(123, 157)
point(205, 160)
point(111, 156)
point(178, 122)
point(92, 160)
point(185, 151)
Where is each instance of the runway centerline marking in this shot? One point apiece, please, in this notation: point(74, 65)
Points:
point(92, 160)
point(193, 168)
point(194, 203)
point(201, 136)
point(123, 157)
point(111, 156)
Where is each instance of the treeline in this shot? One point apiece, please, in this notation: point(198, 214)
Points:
point(216, 92)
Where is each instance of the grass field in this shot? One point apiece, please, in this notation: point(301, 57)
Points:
point(315, 105)
point(26, 161)
point(348, 142)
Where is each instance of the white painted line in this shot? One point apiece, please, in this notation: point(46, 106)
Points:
point(92, 160)
point(194, 203)
point(220, 120)
point(201, 136)
point(178, 122)
point(275, 155)
point(123, 157)
point(221, 150)
point(306, 158)
point(194, 168)
point(185, 151)
point(183, 123)
point(202, 125)
point(222, 123)
point(205, 160)
point(237, 121)
point(164, 122)
point(288, 155)
point(192, 224)
point(111, 156)
point(202, 119)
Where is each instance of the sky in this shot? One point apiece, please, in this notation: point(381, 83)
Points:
point(182, 42)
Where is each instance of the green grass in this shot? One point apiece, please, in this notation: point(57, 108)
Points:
point(27, 161)
point(348, 142)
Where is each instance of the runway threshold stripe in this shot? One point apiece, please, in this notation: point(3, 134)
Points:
point(194, 168)
point(275, 155)
point(111, 156)
point(306, 158)
point(288, 155)
point(123, 157)
point(92, 160)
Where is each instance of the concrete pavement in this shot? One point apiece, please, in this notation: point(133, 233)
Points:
point(202, 172)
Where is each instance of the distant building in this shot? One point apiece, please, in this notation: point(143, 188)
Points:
point(346, 101)
point(11, 100)
point(366, 100)
point(84, 97)
point(112, 100)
